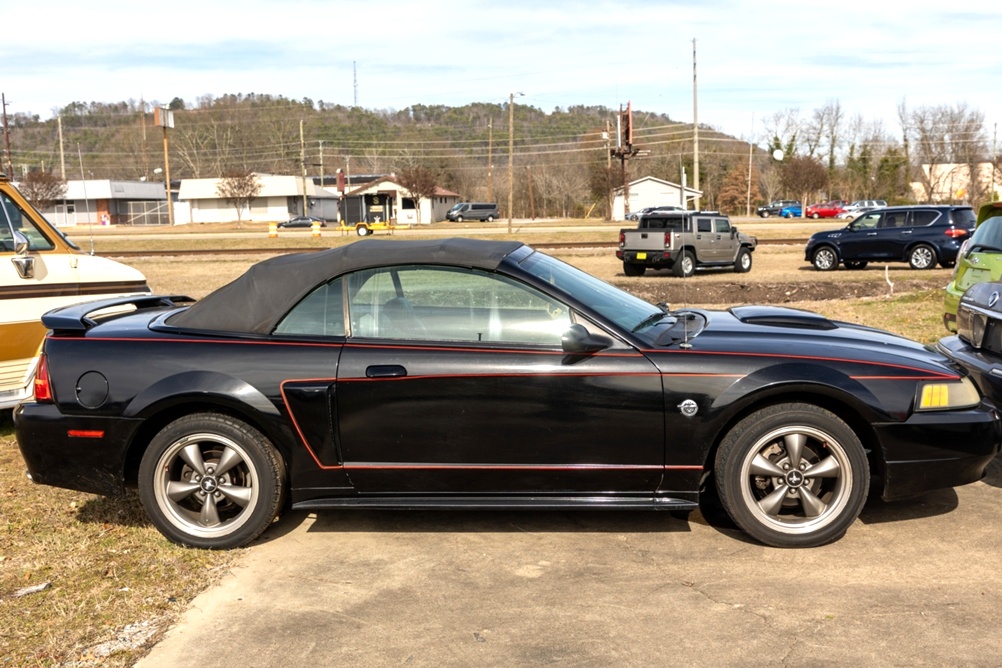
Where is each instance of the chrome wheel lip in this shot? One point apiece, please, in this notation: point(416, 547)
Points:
point(925, 257)
point(185, 519)
point(797, 525)
point(824, 259)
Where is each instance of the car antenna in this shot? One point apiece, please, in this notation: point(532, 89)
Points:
point(685, 345)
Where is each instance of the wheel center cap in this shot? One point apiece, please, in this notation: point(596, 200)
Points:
point(795, 478)
point(208, 484)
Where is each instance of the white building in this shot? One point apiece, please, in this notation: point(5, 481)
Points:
point(280, 198)
point(650, 191)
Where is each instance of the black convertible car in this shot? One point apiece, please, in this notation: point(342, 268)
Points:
point(484, 374)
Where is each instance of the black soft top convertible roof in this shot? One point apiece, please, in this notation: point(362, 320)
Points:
point(254, 302)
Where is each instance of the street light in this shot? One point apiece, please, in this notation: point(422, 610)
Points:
point(511, 152)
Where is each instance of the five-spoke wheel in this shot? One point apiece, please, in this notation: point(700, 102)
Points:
point(211, 481)
point(792, 475)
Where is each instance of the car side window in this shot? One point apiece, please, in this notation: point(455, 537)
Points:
point(924, 217)
point(895, 219)
point(429, 303)
point(320, 313)
point(703, 225)
point(722, 226)
point(14, 218)
point(867, 221)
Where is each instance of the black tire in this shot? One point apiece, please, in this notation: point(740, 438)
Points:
point(685, 266)
point(459, 219)
point(922, 256)
point(764, 214)
point(490, 219)
point(815, 216)
point(787, 215)
point(633, 269)
point(825, 259)
point(743, 263)
point(792, 475)
point(362, 231)
point(191, 502)
point(855, 264)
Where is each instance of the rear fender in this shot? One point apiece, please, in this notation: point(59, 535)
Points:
point(193, 384)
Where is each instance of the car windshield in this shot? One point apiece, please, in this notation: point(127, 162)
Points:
point(988, 236)
point(612, 303)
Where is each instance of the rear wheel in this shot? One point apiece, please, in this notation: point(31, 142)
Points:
point(685, 265)
point(825, 259)
point(362, 231)
point(742, 264)
point(490, 219)
point(922, 257)
point(633, 269)
point(792, 475)
point(211, 481)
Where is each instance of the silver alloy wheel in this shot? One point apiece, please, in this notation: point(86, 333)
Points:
point(922, 257)
point(206, 485)
point(688, 265)
point(796, 480)
point(825, 259)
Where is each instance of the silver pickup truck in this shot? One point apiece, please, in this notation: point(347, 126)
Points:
point(682, 241)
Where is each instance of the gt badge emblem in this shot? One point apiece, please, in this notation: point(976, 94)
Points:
point(993, 299)
point(688, 407)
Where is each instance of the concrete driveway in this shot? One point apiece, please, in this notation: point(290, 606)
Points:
point(912, 583)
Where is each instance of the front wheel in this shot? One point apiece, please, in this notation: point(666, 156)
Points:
point(742, 265)
point(685, 266)
point(764, 214)
point(825, 259)
point(459, 219)
point(211, 481)
point(633, 269)
point(922, 257)
point(815, 216)
point(792, 475)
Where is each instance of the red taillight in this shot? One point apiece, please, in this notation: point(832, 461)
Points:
point(622, 239)
point(956, 232)
point(667, 239)
point(43, 389)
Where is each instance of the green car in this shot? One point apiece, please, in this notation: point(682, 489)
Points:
point(979, 260)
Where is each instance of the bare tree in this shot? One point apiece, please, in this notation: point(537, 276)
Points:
point(420, 182)
point(239, 188)
point(806, 176)
point(783, 130)
point(42, 189)
point(944, 135)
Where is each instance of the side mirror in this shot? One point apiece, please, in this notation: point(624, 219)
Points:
point(24, 263)
point(21, 243)
point(577, 340)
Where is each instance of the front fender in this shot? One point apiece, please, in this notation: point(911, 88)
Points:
point(192, 384)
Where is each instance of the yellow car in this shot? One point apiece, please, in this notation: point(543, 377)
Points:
point(979, 260)
point(40, 269)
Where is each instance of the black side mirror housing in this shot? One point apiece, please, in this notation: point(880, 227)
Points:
point(577, 340)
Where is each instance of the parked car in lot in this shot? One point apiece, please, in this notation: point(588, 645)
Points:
point(474, 374)
point(921, 235)
point(635, 215)
point(826, 209)
point(860, 206)
point(792, 211)
point(482, 211)
point(977, 345)
point(979, 260)
point(303, 221)
point(775, 208)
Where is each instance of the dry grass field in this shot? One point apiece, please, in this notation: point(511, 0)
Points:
point(110, 583)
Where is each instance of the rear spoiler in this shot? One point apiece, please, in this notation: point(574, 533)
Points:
point(76, 318)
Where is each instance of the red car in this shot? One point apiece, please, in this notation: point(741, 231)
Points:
point(827, 210)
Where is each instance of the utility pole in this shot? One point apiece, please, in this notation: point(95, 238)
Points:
point(748, 196)
point(490, 158)
point(695, 132)
point(164, 117)
point(532, 201)
point(511, 154)
point(321, 141)
point(6, 137)
point(302, 159)
point(62, 155)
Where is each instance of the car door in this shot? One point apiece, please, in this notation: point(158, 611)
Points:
point(454, 381)
point(725, 242)
point(856, 241)
point(894, 234)
point(706, 240)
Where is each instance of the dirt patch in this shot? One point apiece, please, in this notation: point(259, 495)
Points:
point(674, 291)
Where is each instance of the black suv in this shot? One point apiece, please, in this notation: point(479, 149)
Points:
point(774, 208)
point(920, 235)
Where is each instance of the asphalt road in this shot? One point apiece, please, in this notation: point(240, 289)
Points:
point(913, 583)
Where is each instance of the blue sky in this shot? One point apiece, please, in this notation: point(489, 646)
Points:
point(753, 58)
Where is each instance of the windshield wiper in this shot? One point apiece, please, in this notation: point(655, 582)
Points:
point(652, 319)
